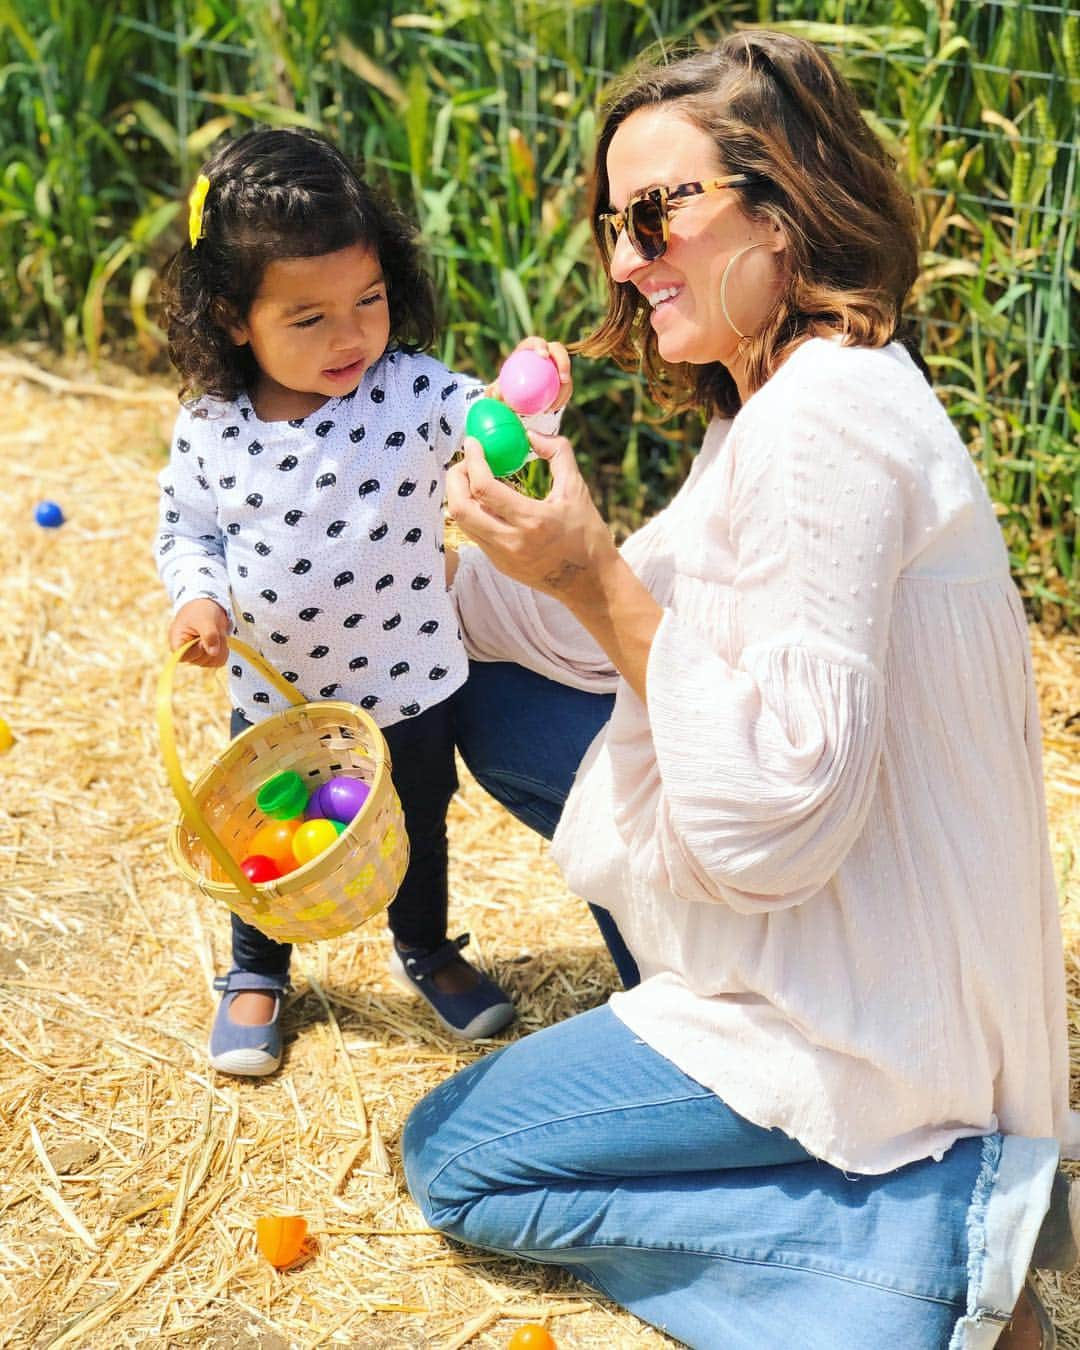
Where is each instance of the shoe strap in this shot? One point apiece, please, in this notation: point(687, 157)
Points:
point(419, 962)
point(237, 981)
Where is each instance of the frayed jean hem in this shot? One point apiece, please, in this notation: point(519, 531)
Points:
point(1012, 1195)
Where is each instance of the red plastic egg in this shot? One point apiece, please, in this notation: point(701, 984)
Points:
point(258, 867)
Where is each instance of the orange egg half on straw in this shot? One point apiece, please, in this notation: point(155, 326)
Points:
point(280, 1237)
point(532, 1336)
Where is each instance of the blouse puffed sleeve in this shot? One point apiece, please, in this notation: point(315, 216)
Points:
point(765, 748)
point(501, 620)
point(451, 395)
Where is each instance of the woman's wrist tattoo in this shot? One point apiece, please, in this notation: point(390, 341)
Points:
point(564, 575)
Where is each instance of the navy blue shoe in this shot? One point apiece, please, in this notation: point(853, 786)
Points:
point(483, 1011)
point(250, 1052)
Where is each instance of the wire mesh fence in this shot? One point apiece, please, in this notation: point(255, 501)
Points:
point(482, 117)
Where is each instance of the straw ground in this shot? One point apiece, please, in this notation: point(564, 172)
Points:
point(130, 1177)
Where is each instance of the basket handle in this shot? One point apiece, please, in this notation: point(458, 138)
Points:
point(177, 781)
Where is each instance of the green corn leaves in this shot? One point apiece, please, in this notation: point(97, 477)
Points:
point(480, 115)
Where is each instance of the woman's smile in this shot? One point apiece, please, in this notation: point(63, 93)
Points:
point(661, 299)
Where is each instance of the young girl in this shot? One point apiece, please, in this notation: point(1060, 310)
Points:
point(302, 510)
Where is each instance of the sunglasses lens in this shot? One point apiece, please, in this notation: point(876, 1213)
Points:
point(646, 227)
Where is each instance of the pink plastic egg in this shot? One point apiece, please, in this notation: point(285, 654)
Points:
point(529, 382)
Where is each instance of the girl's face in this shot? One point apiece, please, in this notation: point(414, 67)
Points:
point(315, 325)
point(659, 147)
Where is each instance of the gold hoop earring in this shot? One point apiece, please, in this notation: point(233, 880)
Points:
point(743, 337)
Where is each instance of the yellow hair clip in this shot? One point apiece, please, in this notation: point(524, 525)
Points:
point(197, 204)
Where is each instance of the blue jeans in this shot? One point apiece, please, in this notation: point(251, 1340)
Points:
point(580, 1146)
point(527, 762)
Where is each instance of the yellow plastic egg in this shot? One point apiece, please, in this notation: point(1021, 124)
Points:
point(7, 740)
point(312, 838)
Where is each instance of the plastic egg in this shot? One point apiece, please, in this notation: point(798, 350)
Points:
point(529, 382)
point(341, 798)
point(258, 867)
point(312, 838)
point(500, 433)
point(532, 1336)
point(284, 796)
point(49, 515)
point(314, 809)
point(7, 740)
point(274, 841)
point(280, 1237)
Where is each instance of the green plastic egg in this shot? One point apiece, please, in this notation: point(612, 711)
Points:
point(500, 433)
point(283, 797)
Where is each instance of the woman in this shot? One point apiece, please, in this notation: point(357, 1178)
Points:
point(790, 741)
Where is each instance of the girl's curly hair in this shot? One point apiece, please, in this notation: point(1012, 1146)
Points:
point(280, 193)
point(778, 112)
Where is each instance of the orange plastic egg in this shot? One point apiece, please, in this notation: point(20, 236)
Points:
point(274, 841)
point(280, 1237)
point(532, 1336)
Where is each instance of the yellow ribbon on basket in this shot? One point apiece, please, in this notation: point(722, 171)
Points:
point(179, 783)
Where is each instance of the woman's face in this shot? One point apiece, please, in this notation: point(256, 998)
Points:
point(660, 147)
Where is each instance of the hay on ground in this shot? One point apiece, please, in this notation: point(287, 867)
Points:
point(130, 1176)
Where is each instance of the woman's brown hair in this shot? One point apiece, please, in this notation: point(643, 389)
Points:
point(779, 113)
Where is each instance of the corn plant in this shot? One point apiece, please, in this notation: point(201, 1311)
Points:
point(480, 115)
point(979, 107)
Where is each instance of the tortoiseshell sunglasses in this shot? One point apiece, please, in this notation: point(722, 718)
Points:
point(646, 215)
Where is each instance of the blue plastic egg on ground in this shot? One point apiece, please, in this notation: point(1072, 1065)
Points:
point(49, 515)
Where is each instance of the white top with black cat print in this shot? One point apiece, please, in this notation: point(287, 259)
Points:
point(323, 537)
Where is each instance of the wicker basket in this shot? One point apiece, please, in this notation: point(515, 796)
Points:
point(352, 880)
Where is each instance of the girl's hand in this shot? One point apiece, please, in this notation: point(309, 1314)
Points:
point(207, 621)
point(559, 545)
point(558, 353)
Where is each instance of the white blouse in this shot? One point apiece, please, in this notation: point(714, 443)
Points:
point(824, 837)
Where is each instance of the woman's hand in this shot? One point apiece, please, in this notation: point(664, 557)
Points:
point(557, 545)
point(207, 621)
point(560, 546)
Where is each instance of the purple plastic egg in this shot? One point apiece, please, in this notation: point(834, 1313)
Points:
point(341, 798)
point(314, 809)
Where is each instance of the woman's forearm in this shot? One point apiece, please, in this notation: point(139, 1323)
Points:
point(611, 603)
point(559, 546)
